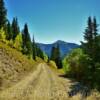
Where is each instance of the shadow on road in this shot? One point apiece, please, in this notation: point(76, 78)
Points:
point(77, 87)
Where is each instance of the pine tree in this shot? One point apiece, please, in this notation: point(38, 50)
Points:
point(3, 14)
point(58, 58)
point(95, 26)
point(39, 52)
point(91, 47)
point(55, 56)
point(34, 49)
point(27, 45)
point(96, 46)
point(8, 31)
point(88, 37)
point(53, 53)
point(15, 28)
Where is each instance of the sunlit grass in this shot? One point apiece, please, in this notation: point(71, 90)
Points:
point(13, 66)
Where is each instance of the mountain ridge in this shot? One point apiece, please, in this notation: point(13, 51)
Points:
point(65, 47)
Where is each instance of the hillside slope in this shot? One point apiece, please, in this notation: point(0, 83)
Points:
point(13, 66)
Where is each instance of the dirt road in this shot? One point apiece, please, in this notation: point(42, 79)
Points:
point(42, 84)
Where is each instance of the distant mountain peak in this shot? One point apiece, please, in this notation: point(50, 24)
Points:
point(60, 41)
point(65, 47)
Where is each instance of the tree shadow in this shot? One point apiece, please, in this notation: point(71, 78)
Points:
point(63, 75)
point(79, 88)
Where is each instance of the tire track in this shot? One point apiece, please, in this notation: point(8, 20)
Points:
point(24, 88)
point(42, 84)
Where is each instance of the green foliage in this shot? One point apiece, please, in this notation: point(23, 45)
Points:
point(18, 42)
point(72, 61)
point(52, 64)
point(27, 45)
point(39, 53)
point(9, 34)
point(11, 43)
point(15, 28)
point(45, 57)
point(90, 44)
point(2, 35)
point(84, 63)
point(77, 65)
point(55, 56)
point(29, 49)
point(66, 65)
point(92, 48)
point(34, 49)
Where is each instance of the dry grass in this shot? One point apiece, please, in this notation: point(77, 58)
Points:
point(13, 66)
point(52, 64)
point(54, 68)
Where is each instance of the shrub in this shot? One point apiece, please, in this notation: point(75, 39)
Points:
point(2, 35)
point(76, 64)
point(18, 42)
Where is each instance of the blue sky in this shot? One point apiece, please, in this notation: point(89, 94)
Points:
point(51, 20)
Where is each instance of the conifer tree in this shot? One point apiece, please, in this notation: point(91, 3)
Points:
point(15, 28)
point(88, 37)
point(8, 31)
point(53, 53)
point(95, 26)
point(55, 56)
point(39, 52)
point(34, 49)
point(3, 14)
point(27, 45)
point(58, 58)
point(91, 47)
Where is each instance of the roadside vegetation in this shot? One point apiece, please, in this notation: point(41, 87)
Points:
point(83, 63)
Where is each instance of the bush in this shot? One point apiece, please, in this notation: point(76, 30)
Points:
point(76, 64)
point(2, 35)
point(52, 64)
point(11, 43)
point(18, 42)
